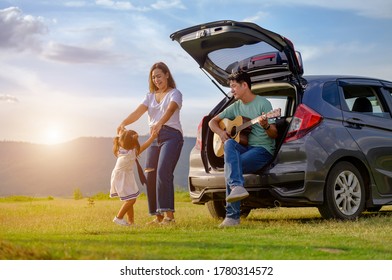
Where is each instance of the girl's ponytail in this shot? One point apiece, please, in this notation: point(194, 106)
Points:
point(136, 143)
point(116, 145)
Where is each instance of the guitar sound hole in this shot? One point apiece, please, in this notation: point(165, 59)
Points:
point(233, 131)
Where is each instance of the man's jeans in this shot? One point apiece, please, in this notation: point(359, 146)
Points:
point(240, 160)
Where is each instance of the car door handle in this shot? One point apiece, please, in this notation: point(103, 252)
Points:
point(355, 122)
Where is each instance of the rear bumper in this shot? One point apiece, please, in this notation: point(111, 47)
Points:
point(289, 189)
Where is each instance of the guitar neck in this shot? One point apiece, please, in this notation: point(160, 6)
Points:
point(273, 114)
point(247, 124)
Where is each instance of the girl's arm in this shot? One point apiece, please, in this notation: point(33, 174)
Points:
point(134, 116)
point(147, 143)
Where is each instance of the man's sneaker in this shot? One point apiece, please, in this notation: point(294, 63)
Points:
point(237, 193)
point(120, 222)
point(229, 222)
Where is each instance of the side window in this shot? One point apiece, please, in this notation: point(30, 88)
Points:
point(279, 102)
point(331, 94)
point(364, 99)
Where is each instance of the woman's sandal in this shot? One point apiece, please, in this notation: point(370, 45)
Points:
point(154, 222)
point(167, 221)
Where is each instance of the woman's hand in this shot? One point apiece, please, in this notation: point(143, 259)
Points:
point(153, 133)
point(120, 129)
point(156, 128)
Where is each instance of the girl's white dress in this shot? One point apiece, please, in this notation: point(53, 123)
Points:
point(123, 183)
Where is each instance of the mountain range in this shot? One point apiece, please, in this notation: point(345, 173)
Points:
point(83, 164)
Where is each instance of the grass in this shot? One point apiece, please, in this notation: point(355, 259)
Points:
point(68, 229)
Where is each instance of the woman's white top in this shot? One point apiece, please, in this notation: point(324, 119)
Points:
point(157, 109)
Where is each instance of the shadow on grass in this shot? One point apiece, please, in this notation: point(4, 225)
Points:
point(365, 215)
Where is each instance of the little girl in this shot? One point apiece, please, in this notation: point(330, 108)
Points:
point(126, 148)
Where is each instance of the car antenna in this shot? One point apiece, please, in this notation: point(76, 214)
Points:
point(214, 83)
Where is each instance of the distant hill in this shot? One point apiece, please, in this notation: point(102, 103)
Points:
point(84, 163)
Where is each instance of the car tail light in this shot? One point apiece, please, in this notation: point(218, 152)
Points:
point(304, 120)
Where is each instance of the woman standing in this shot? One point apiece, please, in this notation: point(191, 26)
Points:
point(163, 104)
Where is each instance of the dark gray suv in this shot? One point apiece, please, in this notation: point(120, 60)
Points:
point(334, 149)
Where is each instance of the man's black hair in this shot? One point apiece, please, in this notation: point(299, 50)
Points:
point(240, 77)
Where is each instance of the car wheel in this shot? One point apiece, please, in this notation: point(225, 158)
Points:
point(344, 196)
point(217, 209)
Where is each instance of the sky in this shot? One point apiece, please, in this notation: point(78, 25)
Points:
point(77, 68)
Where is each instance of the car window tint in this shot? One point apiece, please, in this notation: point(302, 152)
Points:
point(331, 94)
point(364, 99)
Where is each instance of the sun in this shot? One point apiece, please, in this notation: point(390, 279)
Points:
point(53, 135)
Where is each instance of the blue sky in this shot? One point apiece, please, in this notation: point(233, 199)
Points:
point(76, 68)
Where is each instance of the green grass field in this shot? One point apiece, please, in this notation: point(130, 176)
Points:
point(68, 229)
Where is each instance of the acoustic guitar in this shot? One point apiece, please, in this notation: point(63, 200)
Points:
point(239, 129)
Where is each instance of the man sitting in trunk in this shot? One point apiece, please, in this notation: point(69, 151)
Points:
point(240, 159)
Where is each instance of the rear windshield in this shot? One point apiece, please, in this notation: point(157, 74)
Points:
point(247, 57)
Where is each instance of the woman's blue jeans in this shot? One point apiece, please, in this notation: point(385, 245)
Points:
point(241, 160)
point(162, 158)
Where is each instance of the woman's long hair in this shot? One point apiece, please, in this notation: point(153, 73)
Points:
point(170, 81)
point(127, 140)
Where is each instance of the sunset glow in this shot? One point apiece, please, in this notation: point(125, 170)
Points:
point(53, 135)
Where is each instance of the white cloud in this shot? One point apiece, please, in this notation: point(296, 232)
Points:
point(164, 4)
point(373, 9)
point(345, 58)
point(76, 54)
point(119, 5)
point(76, 4)
point(128, 6)
point(258, 16)
point(8, 98)
point(334, 49)
point(20, 32)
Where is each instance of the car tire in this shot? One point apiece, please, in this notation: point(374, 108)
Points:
point(344, 193)
point(217, 209)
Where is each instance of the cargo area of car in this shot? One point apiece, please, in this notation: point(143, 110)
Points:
point(284, 91)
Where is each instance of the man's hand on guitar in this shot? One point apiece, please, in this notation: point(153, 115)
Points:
point(223, 135)
point(263, 120)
